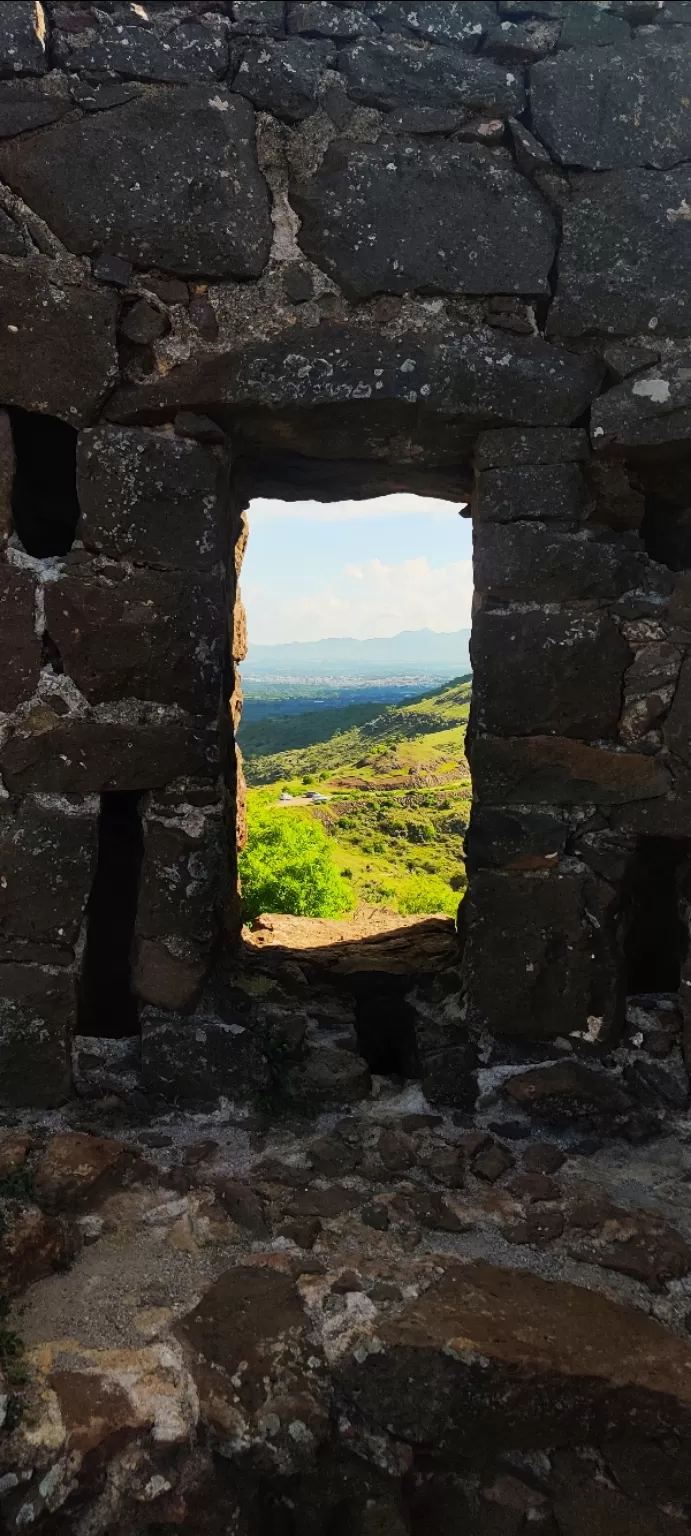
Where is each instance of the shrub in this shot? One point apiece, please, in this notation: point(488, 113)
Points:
point(288, 866)
point(426, 894)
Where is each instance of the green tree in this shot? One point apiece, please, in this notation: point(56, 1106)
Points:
point(426, 894)
point(288, 866)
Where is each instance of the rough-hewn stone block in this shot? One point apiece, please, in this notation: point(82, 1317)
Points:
point(450, 218)
point(549, 770)
point(47, 864)
point(394, 74)
point(319, 18)
point(439, 21)
point(58, 349)
point(555, 971)
point(169, 179)
point(625, 260)
point(521, 493)
point(152, 498)
point(651, 409)
point(154, 635)
point(198, 1058)
point(120, 747)
point(605, 107)
point(27, 104)
point(22, 49)
point(283, 77)
point(504, 837)
point(179, 891)
point(677, 729)
point(480, 378)
point(546, 445)
point(180, 54)
point(37, 1021)
point(525, 562)
point(547, 673)
point(20, 646)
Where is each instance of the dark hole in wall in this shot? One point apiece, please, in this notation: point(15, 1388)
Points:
point(385, 1025)
point(45, 509)
point(107, 1005)
point(656, 936)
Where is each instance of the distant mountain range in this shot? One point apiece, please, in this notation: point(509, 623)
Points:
point(413, 651)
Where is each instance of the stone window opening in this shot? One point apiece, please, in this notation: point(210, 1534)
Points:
point(107, 1003)
point(45, 509)
point(656, 933)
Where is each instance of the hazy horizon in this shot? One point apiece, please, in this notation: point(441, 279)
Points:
point(356, 570)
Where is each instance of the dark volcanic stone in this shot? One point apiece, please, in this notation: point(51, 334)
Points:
point(502, 838)
point(651, 409)
point(182, 55)
point(586, 26)
point(196, 1059)
point(151, 497)
point(243, 1206)
point(439, 21)
point(625, 261)
point(677, 728)
point(12, 241)
point(180, 876)
point(566, 1091)
point(557, 446)
point(319, 18)
point(283, 77)
point(37, 1021)
point(169, 180)
point(129, 750)
point(263, 16)
point(606, 107)
point(398, 74)
point(152, 635)
point(558, 673)
point(20, 646)
point(555, 967)
point(525, 562)
point(27, 104)
point(479, 376)
point(58, 353)
point(555, 771)
point(143, 324)
point(21, 50)
point(613, 1370)
point(395, 216)
point(524, 492)
point(48, 859)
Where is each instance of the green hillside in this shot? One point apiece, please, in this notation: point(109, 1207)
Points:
point(398, 791)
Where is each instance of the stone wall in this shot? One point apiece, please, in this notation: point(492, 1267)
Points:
point(326, 249)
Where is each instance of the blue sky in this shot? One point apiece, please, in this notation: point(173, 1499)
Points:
point(357, 568)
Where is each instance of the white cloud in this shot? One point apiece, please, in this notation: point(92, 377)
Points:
point(263, 510)
point(374, 599)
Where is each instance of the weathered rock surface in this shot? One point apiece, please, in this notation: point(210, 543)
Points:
point(284, 76)
point(37, 1019)
point(393, 216)
point(556, 973)
point(183, 191)
point(153, 635)
point(625, 260)
point(390, 74)
point(558, 674)
point(77, 1171)
point(48, 856)
point(605, 107)
point(555, 771)
point(153, 499)
point(58, 351)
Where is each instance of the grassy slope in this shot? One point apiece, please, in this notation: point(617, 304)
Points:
point(399, 788)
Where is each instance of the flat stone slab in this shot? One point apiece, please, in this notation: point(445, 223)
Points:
point(447, 218)
point(604, 107)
